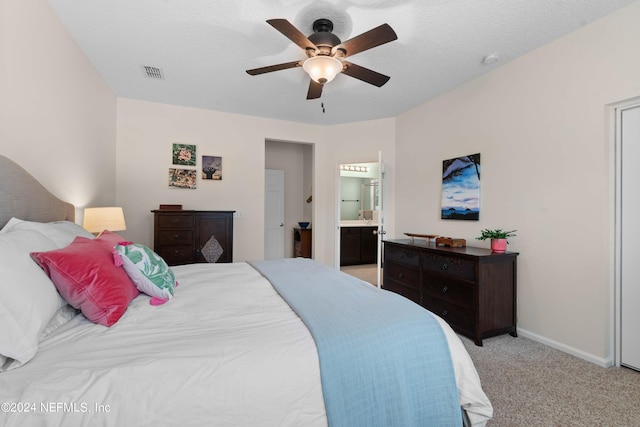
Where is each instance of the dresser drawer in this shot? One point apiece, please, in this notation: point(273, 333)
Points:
point(455, 316)
point(175, 221)
point(452, 267)
point(457, 293)
point(174, 237)
point(409, 293)
point(400, 255)
point(404, 275)
point(177, 255)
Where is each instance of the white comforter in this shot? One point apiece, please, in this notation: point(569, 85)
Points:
point(226, 351)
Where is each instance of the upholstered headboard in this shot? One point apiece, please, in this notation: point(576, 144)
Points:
point(22, 196)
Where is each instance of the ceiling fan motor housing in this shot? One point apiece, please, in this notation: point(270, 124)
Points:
point(323, 37)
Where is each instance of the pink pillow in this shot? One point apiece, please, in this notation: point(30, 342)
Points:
point(86, 277)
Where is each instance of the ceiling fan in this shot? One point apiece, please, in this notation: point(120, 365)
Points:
point(326, 53)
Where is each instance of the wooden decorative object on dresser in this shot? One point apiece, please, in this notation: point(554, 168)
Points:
point(179, 235)
point(473, 289)
point(302, 242)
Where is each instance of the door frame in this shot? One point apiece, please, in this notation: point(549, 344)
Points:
point(615, 113)
point(279, 153)
point(338, 198)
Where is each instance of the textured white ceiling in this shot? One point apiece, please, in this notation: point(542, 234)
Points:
point(204, 47)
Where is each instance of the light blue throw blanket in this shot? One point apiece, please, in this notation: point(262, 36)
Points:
point(384, 361)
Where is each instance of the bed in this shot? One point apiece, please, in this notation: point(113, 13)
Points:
point(286, 343)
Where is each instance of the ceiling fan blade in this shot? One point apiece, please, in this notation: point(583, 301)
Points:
point(364, 74)
point(372, 38)
point(277, 67)
point(292, 33)
point(315, 89)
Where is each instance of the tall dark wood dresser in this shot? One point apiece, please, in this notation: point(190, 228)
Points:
point(180, 235)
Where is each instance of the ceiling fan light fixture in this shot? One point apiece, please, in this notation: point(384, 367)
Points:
point(322, 68)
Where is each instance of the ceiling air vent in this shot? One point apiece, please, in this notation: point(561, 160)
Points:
point(153, 72)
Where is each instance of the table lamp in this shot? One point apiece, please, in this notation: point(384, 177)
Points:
point(96, 220)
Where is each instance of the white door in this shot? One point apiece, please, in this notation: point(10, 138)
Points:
point(629, 119)
point(274, 214)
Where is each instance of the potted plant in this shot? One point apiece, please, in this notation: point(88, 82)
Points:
point(498, 238)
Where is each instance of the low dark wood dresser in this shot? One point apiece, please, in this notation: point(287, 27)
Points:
point(179, 235)
point(473, 289)
point(302, 242)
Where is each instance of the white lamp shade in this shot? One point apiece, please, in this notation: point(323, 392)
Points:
point(97, 220)
point(322, 68)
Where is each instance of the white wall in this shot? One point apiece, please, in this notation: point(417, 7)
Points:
point(57, 115)
point(356, 143)
point(540, 123)
point(146, 131)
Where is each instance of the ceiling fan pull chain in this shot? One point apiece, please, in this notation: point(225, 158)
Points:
point(322, 105)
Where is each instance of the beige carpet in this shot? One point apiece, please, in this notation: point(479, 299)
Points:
point(530, 384)
point(366, 272)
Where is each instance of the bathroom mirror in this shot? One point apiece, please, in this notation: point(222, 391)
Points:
point(358, 191)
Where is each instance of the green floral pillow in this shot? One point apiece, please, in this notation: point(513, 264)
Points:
point(148, 271)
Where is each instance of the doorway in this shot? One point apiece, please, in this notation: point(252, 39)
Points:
point(295, 159)
point(360, 220)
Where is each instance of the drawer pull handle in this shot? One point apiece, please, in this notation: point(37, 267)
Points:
point(175, 236)
point(175, 221)
point(445, 266)
point(400, 275)
point(175, 252)
point(445, 289)
point(444, 313)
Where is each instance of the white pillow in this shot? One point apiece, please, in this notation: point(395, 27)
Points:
point(28, 299)
point(61, 233)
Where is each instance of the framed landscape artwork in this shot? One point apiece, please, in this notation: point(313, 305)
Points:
point(182, 178)
point(461, 188)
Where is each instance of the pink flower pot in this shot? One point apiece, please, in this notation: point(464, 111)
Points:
point(499, 245)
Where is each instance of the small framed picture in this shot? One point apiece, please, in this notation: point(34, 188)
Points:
point(182, 178)
point(212, 167)
point(184, 154)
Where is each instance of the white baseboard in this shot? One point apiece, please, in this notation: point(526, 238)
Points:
point(604, 362)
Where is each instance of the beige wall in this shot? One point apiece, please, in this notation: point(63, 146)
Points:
point(359, 143)
point(57, 115)
point(146, 131)
point(541, 126)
